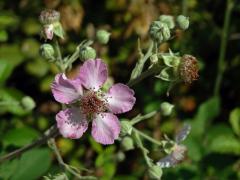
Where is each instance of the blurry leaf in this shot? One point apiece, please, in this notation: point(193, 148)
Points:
point(11, 99)
point(109, 171)
point(235, 120)
point(19, 136)
point(221, 139)
point(8, 168)
point(205, 114)
point(152, 106)
point(45, 83)
point(66, 145)
point(38, 68)
point(12, 54)
point(8, 19)
point(195, 150)
point(31, 26)
point(5, 71)
point(33, 164)
point(96, 146)
point(30, 47)
point(161, 87)
point(3, 36)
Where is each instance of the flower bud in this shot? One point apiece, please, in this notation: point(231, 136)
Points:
point(155, 172)
point(27, 103)
point(47, 51)
point(49, 16)
point(127, 143)
point(103, 36)
point(183, 22)
point(47, 31)
point(188, 69)
point(87, 53)
point(168, 20)
point(159, 31)
point(126, 128)
point(154, 59)
point(166, 108)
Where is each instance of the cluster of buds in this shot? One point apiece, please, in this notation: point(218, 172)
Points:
point(50, 19)
point(160, 30)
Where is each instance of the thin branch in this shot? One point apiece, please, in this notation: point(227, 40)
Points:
point(51, 132)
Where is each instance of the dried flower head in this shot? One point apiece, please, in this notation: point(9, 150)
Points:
point(49, 16)
point(188, 68)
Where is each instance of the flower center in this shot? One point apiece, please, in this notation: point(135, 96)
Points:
point(91, 104)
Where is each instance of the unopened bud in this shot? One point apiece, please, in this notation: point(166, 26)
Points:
point(127, 143)
point(49, 16)
point(103, 36)
point(155, 172)
point(47, 51)
point(27, 103)
point(166, 108)
point(87, 53)
point(159, 31)
point(168, 20)
point(126, 128)
point(183, 22)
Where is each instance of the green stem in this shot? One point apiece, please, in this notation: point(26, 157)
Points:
point(140, 118)
point(53, 146)
point(59, 58)
point(144, 75)
point(223, 46)
point(152, 140)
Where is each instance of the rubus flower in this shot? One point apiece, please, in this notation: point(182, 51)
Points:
point(86, 102)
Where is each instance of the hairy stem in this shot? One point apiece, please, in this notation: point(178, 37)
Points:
point(140, 118)
point(223, 46)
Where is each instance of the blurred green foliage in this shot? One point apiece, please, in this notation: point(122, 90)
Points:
point(214, 142)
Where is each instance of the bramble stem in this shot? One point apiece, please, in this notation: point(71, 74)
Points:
point(223, 46)
point(139, 118)
point(73, 171)
point(152, 140)
point(51, 132)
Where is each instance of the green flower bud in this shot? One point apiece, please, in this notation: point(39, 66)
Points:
point(155, 172)
point(49, 16)
point(28, 103)
point(47, 51)
point(183, 22)
point(127, 143)
point(120, 156)
point(166, 108)
point(126, 128)
point(159, 31)
point(103, 36)
point(87, 53)
point(168, 20)
point(154, 58)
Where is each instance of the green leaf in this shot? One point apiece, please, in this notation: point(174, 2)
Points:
point(220, 139)
point(10, 102)
point(205, 114)
point(8, 168)
point(33, 164)
point(235, 120)
point(3, 36)
point(5, 71)
point(19, 136)
point(8, 19)
point(58, 30)
point(38, 68)
point(167, 74)
point(12, 54)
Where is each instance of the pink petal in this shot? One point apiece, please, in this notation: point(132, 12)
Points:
point(120, 98)
point(71, 123)
point(48, 31)
point(105, 128)
point(65, 90)
point(93, 74)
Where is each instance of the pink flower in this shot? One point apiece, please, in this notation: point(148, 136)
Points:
point(86, 103)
